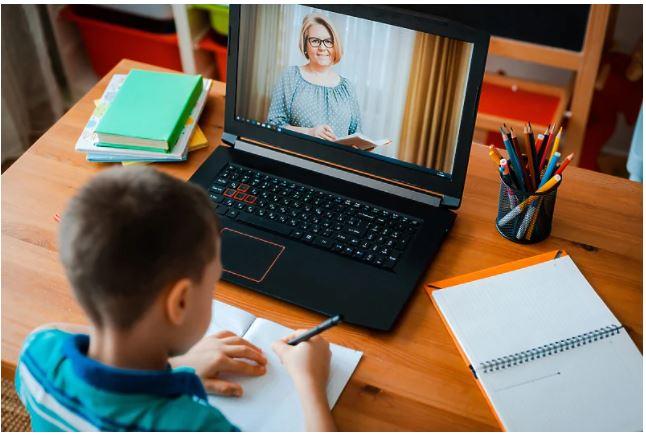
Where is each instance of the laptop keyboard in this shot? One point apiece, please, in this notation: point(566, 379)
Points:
point(354, 229)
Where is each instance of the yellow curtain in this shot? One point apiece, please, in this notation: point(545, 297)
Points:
point(434, 101)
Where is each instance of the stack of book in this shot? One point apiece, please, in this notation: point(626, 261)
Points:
point(146, 116)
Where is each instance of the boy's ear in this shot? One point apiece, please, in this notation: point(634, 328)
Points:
point(177, 301)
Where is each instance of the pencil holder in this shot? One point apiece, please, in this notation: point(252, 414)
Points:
point(525, 217)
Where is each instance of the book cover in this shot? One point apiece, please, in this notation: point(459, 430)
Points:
point(149, 110)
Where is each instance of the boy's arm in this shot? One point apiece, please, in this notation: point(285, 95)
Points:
point(318, 417)
point(308, 363)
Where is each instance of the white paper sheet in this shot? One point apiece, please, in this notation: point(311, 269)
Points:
point(270, 402)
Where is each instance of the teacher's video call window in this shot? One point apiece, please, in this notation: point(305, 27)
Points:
point(381, 89)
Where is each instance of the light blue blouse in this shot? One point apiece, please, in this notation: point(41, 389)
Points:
point(297, 102)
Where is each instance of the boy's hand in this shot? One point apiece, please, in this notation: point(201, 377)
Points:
point(221, 352)
point(308, 363)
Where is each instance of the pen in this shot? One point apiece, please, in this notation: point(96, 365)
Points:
point(327, 324)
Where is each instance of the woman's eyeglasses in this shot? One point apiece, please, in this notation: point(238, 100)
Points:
point(316, 42)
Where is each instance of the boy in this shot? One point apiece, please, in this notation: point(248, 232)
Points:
point(141, 250)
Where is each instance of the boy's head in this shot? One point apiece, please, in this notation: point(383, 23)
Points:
point(141, 246)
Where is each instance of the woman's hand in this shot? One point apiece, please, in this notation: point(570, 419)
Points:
point(221, 352)
point(323, 131)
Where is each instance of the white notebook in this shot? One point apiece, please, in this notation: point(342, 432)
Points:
point(548, 352)
point(270, 402)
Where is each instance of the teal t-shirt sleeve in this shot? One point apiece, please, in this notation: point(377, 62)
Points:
point(194, 415)
point(42, 346)
point(214, 421)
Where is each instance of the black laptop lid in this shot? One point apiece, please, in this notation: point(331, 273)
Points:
point(302, 78)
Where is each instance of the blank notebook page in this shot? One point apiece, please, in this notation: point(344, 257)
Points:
point(523, 309)
point(270, 402)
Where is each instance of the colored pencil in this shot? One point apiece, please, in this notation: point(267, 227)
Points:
point(550, 168)
point(530, 157)
point(566, 161)
point(555, 147)
point(546, 150)
point(523, 205)
point(517, 173)
point(514, 141)
point(493, 149)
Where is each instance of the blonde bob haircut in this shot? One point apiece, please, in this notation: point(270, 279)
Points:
point(309, 21)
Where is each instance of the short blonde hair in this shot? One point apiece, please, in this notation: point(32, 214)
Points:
point(309, 21)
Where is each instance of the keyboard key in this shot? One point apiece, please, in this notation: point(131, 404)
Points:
point(355, 231)
point(217, 189)
point(348, 251)
point(338, 247)
point(234, 184)
point(229, 193)
point(250, 199)
point(216, 198)
point(308, 237)
point(297, 234)
point(265, 224)
point(221, 180)
point(221, 209)
point(239, 196)
point(232, 213)
point(243, 187)
point(389, 262)
point(322, 242)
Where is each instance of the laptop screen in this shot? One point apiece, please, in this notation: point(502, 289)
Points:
point(383, 91)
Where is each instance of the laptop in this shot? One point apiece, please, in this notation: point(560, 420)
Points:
point(345, 149)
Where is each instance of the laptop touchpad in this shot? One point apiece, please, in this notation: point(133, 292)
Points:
point(248, 256)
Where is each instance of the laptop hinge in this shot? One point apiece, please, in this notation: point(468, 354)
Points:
point(431, 198)
point(229, 139)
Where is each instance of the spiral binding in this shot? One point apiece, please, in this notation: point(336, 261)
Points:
point(548, 349)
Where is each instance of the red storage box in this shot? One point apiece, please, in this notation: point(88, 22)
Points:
point(108, 43)
point(220, 52)
point(514, 101)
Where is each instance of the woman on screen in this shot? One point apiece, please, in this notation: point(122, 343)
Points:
point(313, 99)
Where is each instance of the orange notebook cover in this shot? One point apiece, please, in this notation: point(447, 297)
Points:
point(480, 274)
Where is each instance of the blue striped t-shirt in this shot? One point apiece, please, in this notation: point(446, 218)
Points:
point(63, 389)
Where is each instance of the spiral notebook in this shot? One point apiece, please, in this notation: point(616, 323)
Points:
point(547, 352)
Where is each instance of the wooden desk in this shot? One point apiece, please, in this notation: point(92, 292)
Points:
point(410, 379)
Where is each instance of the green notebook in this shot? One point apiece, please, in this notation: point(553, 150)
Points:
point(149, 110)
